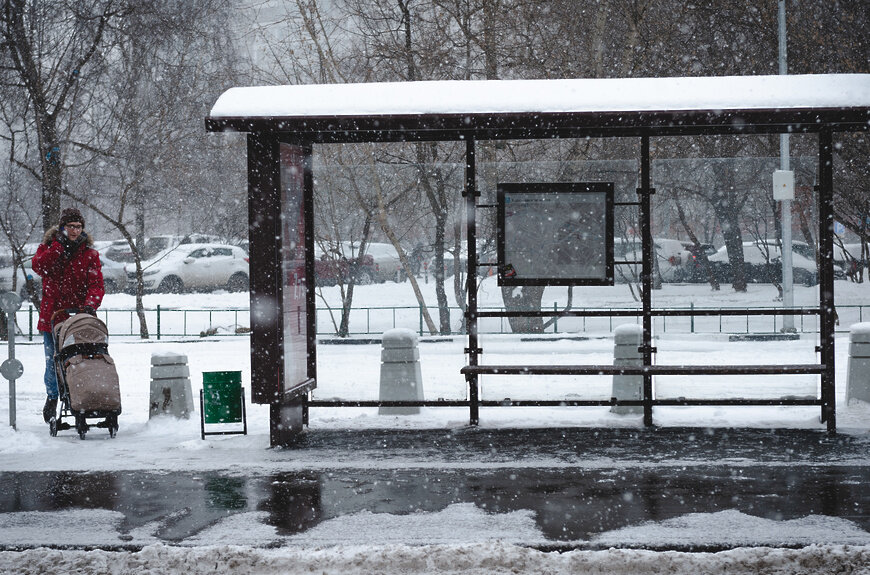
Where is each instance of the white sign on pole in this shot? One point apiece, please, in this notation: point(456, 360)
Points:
point(783, 185)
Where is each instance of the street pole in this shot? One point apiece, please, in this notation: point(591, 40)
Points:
point(787, 279)
point(11, 368)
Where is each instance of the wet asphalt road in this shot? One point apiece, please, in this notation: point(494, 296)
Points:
point(579, 483)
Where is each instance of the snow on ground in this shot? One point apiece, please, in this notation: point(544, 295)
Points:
point(489, 558)
point(460, 538)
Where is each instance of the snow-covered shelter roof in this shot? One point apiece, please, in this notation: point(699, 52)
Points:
point(534, 108)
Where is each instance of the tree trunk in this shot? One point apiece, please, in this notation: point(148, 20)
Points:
point(51, 174)
point(347, 301)
point(728, 215)
point(440, 291)
point(701, 254)
point(524, 298)
point(734, 245)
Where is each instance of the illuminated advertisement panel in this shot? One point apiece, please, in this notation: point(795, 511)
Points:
point(295, 316)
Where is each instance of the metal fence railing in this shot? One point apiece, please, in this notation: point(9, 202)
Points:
point(170, 322)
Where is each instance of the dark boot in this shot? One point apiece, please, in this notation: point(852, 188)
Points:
point(50, 409)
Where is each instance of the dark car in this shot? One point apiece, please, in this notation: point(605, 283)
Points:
point(334, 268)
point(692, 270)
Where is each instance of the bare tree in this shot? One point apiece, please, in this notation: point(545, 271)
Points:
point(49, 51)
point(147, 127)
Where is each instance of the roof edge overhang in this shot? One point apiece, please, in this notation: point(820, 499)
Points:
point(543, 125)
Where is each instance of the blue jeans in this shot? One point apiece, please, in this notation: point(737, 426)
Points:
point(50, 377)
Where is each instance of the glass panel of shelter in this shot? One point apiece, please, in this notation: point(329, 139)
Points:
point(705, 186)
point(684, 176)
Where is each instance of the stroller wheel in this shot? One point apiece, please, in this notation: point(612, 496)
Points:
point(52, 427)
point(112, 424)
point(81, 426)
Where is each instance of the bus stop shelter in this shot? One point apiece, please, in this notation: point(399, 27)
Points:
point(284, 124)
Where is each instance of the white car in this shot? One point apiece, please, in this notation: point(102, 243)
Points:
point(119, 250)
point(763, 263)
point(197, 267)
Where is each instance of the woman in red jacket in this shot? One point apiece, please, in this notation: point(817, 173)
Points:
point(71, 278)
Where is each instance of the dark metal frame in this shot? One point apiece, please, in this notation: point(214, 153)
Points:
point(264, 135)
point(545, 125)
point(244, 422)
point(561, 188)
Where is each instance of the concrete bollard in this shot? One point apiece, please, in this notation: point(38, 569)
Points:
point(626, 339)
point(401, 377)
point(171, 392)
point(858, 367)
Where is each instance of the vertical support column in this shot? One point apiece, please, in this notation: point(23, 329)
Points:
point(826, 277)
point(473, 350)
point(264, 234)
point(645, 192)
point(311, 304)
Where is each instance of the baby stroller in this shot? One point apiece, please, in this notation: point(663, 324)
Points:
point(87, 380)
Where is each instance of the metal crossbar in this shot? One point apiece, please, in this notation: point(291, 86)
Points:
point(768, 369)
point(377, 319)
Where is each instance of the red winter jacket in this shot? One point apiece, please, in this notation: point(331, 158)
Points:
point(66, 283)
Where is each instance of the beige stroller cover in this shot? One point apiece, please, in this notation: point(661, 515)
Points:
point(81, 328)
point(92, 379)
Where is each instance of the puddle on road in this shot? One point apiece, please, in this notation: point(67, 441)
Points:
point(567, 504)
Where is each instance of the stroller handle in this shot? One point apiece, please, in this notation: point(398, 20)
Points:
point(69, 311)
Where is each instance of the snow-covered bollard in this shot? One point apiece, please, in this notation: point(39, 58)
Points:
point(627, 340)
point(858, 382)
point(170, 385)
point(401, 377)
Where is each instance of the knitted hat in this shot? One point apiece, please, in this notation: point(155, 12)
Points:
point(71, 215)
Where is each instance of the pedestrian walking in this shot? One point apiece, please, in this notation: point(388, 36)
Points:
point(71, 278)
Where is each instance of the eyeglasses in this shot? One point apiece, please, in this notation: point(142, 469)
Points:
point(74, 226)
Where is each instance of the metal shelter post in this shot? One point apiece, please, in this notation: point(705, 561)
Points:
point(645, 191)
point(828, 314)
point(473, 350)
point(310, 303)
point(264, 211)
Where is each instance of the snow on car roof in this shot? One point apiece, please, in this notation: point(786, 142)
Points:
point(786, 92)
point(754, 253)
point(182, 251)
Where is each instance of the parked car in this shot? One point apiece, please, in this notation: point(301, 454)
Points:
point(692, 269)
point(197, 267)
point(485, 257)
point(763, 264)
point(386, 261)
point(120, 251)
point(339, 266)
point(848, 260)
point(114, 276)
point(670, 255)
point(7, 272)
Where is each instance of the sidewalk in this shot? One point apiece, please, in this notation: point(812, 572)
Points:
point(550, 489)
